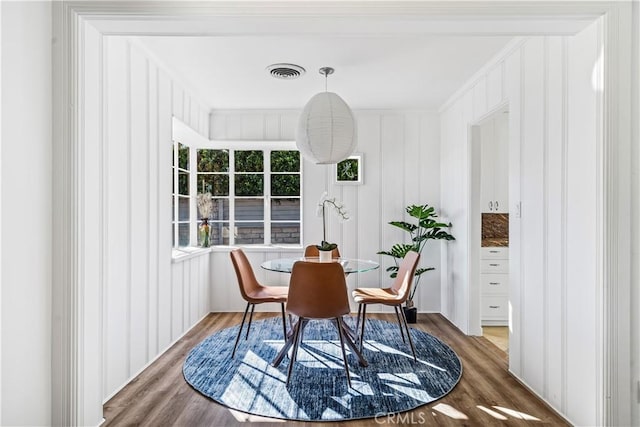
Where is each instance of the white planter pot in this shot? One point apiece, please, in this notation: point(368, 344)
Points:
point(325, 256)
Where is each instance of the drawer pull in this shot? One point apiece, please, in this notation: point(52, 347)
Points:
point(494, 265)
point(494, 283)
point(494, 252)
point(494, 306)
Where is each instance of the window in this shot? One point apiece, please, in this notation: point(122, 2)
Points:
point(255, 193)
point(181, 195)
point(254, 187)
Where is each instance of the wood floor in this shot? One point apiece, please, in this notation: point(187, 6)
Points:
point(486, 395)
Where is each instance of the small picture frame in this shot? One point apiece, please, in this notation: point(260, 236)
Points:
point(349, 171)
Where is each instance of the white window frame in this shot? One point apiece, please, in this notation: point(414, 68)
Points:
point(187, 136)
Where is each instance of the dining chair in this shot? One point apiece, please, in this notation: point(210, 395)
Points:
point(317, 291)
point(255, 293)
point(393, 296)
point(313, 251)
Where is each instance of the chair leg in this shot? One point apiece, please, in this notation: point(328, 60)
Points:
point(399, 323)
point(358, 317)
point(364, 318)
point(413, 349)
point(253, 307)
point(240, 331)
point(284, 322)
point(296, 342)
point(344, 354)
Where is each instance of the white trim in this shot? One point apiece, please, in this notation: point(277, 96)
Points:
point(614, 246)
point(68, 404)
point(1, 233)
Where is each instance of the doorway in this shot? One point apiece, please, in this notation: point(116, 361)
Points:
point(490, 226)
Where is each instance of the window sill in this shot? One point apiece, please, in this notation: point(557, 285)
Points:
point(188, 252)
point(259, 248)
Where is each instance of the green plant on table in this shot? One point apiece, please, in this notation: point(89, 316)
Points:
point(425, 227)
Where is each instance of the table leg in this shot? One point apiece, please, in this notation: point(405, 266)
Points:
point(287, 345)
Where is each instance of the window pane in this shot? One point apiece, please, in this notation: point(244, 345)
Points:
point(217, 185)
point(249, 185)
point(285, 209)
point(285, 233)
point(249, 209)
point(250, 233)
point(285, 185)
point(183, 183)
point(285, 161)
point(249, 161)
point(183, 234)
point(219, 233)
point(220, 210)
point(213, 161)
point(183, 209)
point(183, 156)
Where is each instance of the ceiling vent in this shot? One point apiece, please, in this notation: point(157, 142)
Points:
point(285, 71)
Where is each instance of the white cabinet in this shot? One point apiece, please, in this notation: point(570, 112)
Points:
point(494, 282)
point(494, 164)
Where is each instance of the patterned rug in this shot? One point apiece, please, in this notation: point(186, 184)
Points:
point(391, 383)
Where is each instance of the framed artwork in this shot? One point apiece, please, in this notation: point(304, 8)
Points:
point(349, 171)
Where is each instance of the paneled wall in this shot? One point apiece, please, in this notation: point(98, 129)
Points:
point(401, 167)
point(148, 300)
point(553, 88)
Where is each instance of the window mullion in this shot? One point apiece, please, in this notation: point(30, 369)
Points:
point(267, 196)
point(193, 200)
point(232, 197)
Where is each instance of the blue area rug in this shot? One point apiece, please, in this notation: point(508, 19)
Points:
point(391, 383)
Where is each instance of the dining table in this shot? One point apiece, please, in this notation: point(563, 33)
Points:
point(350, 266)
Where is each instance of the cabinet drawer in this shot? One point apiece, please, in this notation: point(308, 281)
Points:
point(494, 283)
point(495, 308)
point(494, 266)
point(494, 252)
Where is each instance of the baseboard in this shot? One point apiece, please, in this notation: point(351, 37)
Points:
point(157, 356)
point(545, 401)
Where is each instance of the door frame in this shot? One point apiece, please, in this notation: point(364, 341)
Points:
point(76, 303)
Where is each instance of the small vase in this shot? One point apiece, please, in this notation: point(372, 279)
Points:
point(325, 256)
point(204, 233)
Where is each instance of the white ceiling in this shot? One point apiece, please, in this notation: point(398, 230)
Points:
point(394, 71)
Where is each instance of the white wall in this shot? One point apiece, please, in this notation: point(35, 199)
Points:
point(401, 167)
point(635, 214)
point(551, 86)
point(148, 301)
point(25, 178)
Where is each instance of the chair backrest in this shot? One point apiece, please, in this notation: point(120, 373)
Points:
point(317, 290)
point(404, 280)
point(246, 278)
point(312, 250)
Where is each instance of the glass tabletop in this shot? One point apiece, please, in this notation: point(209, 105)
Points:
point(350, 265)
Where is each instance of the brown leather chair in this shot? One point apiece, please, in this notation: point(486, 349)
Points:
point(317, 291)
point(255, 293)
point(313, 251)
point(394, 296)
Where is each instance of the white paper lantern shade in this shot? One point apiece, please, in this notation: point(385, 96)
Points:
point(326, 129)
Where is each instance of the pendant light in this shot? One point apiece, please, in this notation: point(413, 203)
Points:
point(326, 129)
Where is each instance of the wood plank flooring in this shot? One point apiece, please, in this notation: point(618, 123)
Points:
point(486, 394)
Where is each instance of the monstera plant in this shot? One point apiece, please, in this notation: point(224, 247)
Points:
point(425, 226)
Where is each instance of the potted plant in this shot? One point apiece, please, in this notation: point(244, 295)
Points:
point(425, 227)
point(325, 247)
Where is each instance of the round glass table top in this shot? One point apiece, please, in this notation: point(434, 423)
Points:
point(284, 265)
